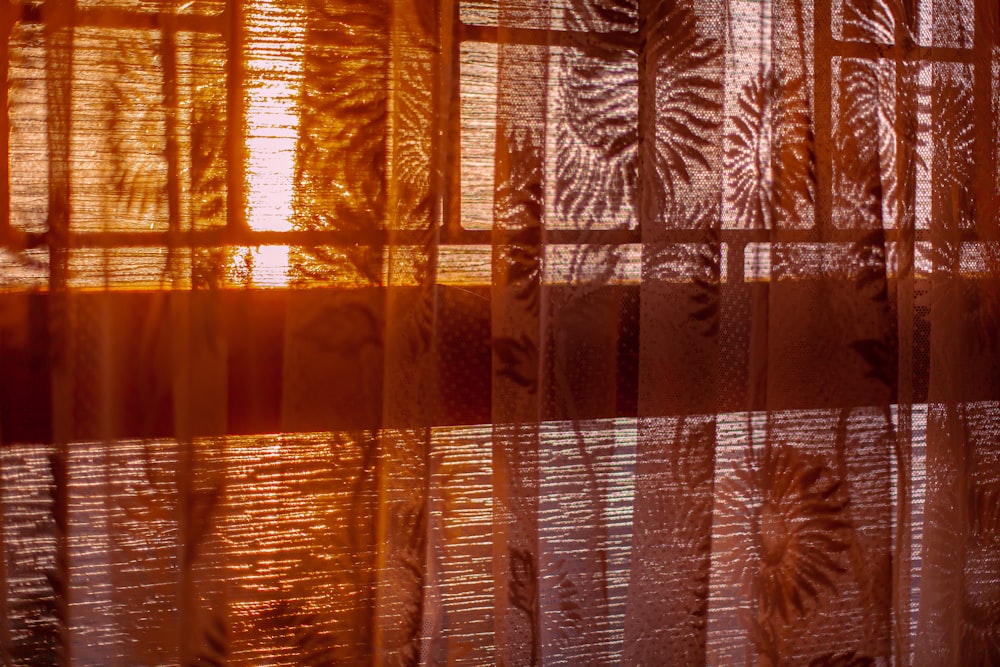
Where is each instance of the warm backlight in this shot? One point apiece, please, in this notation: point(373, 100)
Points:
point(273, 76)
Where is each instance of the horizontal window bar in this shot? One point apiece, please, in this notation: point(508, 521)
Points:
point(332, 237)
point(109, 17)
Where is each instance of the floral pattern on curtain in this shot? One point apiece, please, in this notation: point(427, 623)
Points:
point(463, 332)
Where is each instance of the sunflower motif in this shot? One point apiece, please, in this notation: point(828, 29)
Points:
point(596, 136)
point(602, 90)
point(871, 20)
point(954, 137)
point(769, 152)
point(797, 530)
point(865, 145)
point(962, 559)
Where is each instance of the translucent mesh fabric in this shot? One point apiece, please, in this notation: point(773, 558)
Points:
point(464, 332)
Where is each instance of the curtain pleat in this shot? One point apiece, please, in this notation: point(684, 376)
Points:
point(518, 331)
point(679, 101)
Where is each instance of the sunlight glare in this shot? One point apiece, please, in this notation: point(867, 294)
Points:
point(272, 130)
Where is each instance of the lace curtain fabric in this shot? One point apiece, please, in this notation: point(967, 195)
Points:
point(500, 331)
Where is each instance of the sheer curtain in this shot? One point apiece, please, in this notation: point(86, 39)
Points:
point(500, 331)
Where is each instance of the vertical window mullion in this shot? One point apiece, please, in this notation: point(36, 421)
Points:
point(235, 119)
point(168, 60)
point(822, 112)
point(6, 27)
point(985, 143)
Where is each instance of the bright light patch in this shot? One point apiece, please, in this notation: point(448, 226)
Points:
point(274, 71)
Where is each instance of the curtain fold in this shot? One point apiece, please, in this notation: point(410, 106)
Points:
point(500, 331)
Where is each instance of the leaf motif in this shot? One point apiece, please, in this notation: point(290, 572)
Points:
point(762, 636)
point(324, 329)
point(709, 287)
point(523, 584)
point(214, 649)
point(518, 209)
point(518, 200)
point(340, 162)
point(201, 513)
point(522, 592)
point(137, 148)
point(302, 630)
point(869, 254)
point(601, 16)
point(568, 600)
point(681, 61)
point(880, 357)
point(208, 181)
point(208, 267)
point(874, 20)
point(701, 267)
point(517, 360)
point(523, 263)
point(412, 524)
point(865, 153)
point(847, 659)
